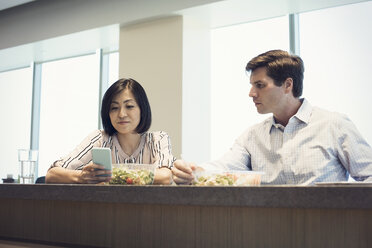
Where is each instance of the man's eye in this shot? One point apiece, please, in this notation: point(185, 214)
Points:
point(260, 86)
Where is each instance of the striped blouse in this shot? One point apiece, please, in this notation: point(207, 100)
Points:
point(154, 148)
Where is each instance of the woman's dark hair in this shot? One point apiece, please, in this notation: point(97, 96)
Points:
point(280, 65)
point(141, 98)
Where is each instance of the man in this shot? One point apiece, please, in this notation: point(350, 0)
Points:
point(299, 144)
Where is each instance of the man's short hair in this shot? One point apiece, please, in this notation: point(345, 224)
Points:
point(141, 98)
point(280, 65)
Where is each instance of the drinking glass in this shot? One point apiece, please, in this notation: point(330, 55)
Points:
point(27, 164)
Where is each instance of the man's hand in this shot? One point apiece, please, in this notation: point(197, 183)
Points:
point(183, 172)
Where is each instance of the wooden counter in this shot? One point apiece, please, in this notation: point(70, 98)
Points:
point(188, 216)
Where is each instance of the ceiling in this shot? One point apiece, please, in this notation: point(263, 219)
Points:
point(86, 25)
point(6, 4)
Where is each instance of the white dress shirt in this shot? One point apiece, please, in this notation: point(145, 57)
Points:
point(315, 146)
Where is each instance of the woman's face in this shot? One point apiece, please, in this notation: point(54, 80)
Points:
point(125, 114)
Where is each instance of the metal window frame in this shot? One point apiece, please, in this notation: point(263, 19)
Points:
point(35, 110)
point(103, 80)
point(294, 33)
point(36, 68)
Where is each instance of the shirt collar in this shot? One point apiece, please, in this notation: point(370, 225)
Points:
point(303, 114)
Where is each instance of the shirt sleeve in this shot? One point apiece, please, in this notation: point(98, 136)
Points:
point(236, 158)
point(162, 150)
point(353, 150)
point(82, 154)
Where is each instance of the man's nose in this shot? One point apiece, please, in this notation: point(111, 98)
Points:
point(252, 92)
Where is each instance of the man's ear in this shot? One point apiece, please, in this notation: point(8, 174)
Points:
point(288, 84)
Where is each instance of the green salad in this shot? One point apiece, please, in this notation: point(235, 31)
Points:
point(135, 177)
point(231, 178)
point(225, 179)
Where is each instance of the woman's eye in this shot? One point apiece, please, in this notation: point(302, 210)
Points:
point(113, 108)
point(130, 106)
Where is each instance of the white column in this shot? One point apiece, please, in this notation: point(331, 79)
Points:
point(151, 53)
point(170, 58)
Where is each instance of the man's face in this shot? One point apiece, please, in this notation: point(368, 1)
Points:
point(267, 97)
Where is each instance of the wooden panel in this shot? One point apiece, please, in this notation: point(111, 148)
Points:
point(130, 225)
point(25, 244)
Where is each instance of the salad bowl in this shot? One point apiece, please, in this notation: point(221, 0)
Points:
point(228, 178)
point(132, 174)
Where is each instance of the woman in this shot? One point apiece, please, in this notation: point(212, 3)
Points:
point(126, 118)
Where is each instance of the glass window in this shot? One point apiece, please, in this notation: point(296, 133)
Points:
point(113, 67)
point(15, 110)
point(232, 110)
point(336, 49)
point(69, 106)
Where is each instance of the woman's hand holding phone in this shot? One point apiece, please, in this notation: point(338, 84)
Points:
point(94, 173)
point(100, 169)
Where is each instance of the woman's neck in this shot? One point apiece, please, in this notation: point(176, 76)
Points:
point(129, 142)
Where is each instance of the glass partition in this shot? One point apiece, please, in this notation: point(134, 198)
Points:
point(15, 111)
point(232, 110)
point(69, 106)
point(113, 67)
point(336, 49)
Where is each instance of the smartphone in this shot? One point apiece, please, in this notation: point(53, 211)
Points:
point(102, 156)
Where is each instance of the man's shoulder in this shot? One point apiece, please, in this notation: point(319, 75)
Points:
point(326, 115)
